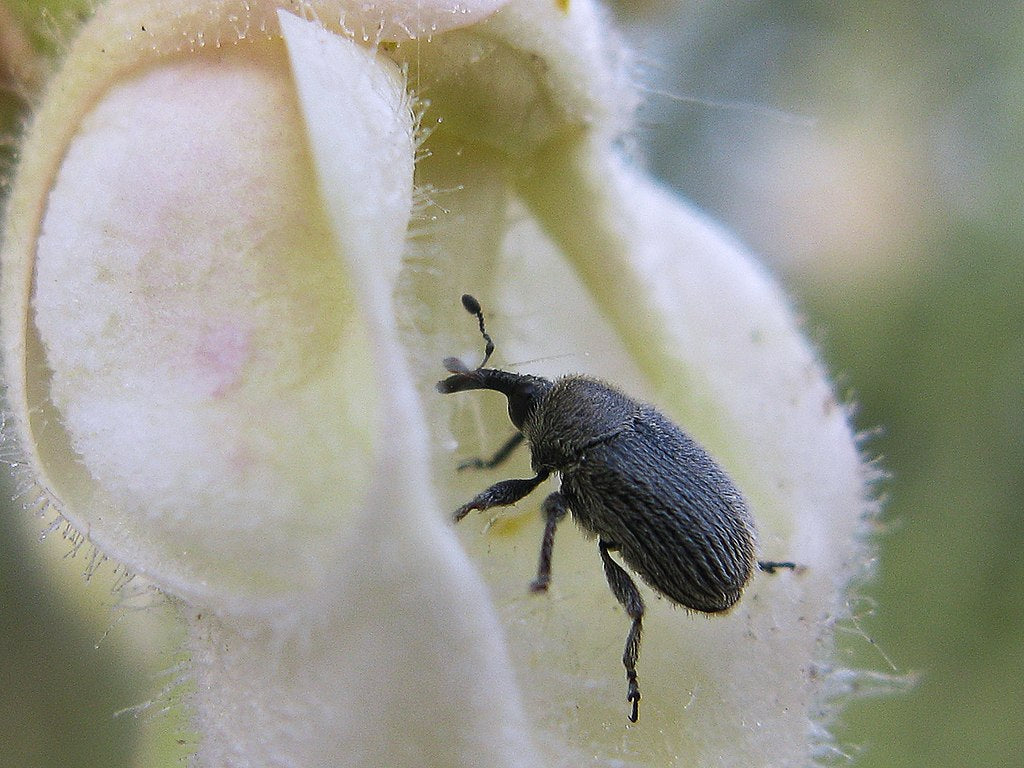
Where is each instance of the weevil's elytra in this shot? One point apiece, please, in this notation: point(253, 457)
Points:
point(630, 477)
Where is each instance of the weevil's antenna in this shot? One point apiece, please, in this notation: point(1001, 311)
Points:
point(473, 307)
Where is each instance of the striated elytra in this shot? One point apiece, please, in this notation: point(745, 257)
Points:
point(631, 478)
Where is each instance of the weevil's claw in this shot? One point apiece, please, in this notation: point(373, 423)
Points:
point(634, 696)
point(635, 714)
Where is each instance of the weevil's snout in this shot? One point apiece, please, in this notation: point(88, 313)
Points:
point(462, 378)
point(523, 391)
point(457, 383)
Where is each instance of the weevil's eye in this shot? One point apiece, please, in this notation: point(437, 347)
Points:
point(523, 399)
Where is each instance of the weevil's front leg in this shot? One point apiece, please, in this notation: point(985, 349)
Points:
point(625, 592)
point(554, 510)
point(502, 453)
point(500, 495)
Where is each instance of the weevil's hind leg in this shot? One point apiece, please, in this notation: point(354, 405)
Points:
point(554, 510)
point(770, 566)
point(500, 495)
point(498, 458)
point(628, 595)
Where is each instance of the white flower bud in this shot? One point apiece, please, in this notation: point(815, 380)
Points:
point(223, 316)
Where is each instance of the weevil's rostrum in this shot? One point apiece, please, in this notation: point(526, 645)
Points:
point(630, 477)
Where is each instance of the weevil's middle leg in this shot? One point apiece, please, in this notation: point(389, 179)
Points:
point(498, 458)
point(554, 510)
point(628, 595)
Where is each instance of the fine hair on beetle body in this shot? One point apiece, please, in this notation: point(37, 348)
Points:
point(629, 477)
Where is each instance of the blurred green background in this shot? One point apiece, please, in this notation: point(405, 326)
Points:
point(872, 153)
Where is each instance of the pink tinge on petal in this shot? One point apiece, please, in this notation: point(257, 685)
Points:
point(220, 356)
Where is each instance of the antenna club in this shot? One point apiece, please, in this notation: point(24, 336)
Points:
point(473, 307)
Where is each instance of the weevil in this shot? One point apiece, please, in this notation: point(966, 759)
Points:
point(631, 478)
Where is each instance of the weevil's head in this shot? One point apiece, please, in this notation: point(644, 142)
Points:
point(523, 391)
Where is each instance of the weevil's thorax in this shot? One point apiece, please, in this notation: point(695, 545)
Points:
point(576, 413)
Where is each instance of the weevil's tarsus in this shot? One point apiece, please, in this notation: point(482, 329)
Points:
point(771, 566)
point(473, 307)
point(498, 458)
point(626, 592)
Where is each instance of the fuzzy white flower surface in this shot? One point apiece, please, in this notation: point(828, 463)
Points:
point(232, 257)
